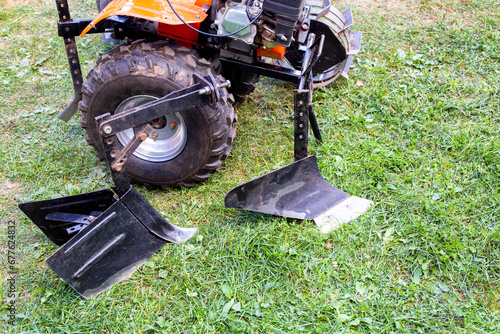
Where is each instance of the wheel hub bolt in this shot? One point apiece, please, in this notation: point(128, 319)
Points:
point(154, 136)
point(173, 124)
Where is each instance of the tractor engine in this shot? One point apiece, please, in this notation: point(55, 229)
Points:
point(268, 23)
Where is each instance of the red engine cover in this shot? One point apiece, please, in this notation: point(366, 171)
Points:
point(182, 34)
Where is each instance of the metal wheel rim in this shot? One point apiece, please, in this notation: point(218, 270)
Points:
point(170, 140)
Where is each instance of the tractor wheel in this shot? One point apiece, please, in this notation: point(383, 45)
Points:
point(185, 147)
point(242, 83)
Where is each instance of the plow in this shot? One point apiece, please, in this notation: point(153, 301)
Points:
point(159, 109)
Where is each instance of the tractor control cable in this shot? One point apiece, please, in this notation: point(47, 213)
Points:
point(214, 35)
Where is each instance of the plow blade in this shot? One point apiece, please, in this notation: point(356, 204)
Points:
point(298, 191)
point(106, 238)
point(60, 219)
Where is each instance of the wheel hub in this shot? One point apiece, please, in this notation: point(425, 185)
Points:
point(168, 138)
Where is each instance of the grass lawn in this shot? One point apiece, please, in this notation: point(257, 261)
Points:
point(416, 129)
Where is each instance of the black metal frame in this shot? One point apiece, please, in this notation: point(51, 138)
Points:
point(303, 110)
point(188, 97)
point(73, 61)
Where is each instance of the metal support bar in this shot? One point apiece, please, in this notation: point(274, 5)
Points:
point(77, 221)
point(120, 179)
point(72, 218)
point(75, 27)
point(303, 111)
point(267, 70)
point(73, 61)
point(313, 53)
point(112, 124)
point(140, 135)
point(301, 129)
point(201, 93)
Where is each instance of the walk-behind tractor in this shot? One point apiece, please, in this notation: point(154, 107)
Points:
point(159, 109)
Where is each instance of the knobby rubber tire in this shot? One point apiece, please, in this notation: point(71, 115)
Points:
point(242, 83)
point(157, 68)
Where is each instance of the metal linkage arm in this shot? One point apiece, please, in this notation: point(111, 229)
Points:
point(117, 157)
point(140, 135)
point(76, 26)
point(202, 93)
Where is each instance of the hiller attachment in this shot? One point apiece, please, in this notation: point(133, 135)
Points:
point(298, 190)
point(107, 235)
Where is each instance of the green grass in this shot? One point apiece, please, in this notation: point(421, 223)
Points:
point(415, 129)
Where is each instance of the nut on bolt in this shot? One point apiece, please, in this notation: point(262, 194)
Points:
point(107, 129)
point(205, 91)
point(226, 84)
point(154, 135)
point(173, 124)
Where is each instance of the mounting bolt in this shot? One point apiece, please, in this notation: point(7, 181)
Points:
point(226, 84)
point(113, 154)
point(118, 168)
point(283, 38)
point(107, 129)
point(203, 91)
point(154, 136)
point(143, 136)
point(305, 26)
point(173, 124)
